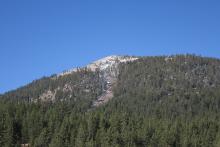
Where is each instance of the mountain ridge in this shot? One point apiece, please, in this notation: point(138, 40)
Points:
point(155, 101)
point(101, 63)
point(96, 80)
point(106, 69)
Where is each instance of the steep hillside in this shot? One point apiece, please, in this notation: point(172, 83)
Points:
point(162, 77)
point(93, 83)
point(169, 86)
point(164, 101)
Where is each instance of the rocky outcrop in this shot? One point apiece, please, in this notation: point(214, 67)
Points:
point(108, 68)
point(108, 72)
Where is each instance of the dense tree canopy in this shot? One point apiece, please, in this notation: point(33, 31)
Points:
point(158, 102)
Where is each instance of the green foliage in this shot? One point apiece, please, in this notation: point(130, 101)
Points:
point(158, 102)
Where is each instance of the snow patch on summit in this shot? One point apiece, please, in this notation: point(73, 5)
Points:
point(109, 71)
point(103, 64)
point(109, 61)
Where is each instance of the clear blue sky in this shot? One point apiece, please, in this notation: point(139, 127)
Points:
point(42, 37)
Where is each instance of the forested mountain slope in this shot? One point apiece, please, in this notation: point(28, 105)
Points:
point(170, 85)
point(89, 82)
point(156, 101)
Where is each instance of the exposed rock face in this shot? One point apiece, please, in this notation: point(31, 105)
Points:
point(108, 71)
point(108, 68)
point(108, 65)
point(48, 96)
point(104, 98)
point(93, 81)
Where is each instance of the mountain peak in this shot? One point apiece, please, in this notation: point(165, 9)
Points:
point(109, 61)
point(109, 70)
point(103, 63)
